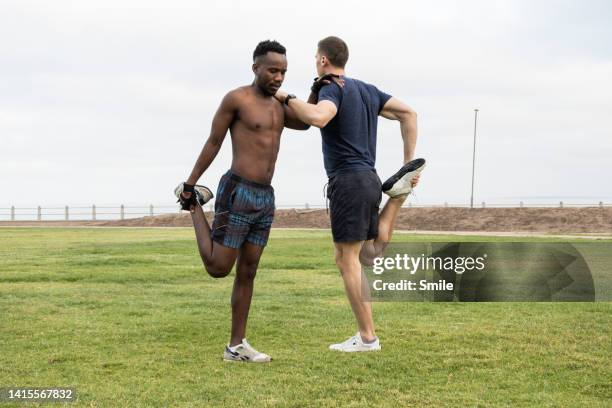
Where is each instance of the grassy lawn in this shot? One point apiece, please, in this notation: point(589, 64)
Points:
point(129, 318)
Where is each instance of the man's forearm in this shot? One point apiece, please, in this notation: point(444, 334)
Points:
point(408, 126)
point(305, 111)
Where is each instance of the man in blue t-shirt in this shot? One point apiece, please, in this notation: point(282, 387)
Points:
point(346, 110)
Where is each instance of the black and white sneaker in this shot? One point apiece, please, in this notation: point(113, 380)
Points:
point(400, 183)
point(203, 194)
point(246, 353)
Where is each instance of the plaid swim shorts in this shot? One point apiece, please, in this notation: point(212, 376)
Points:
point(244, 211)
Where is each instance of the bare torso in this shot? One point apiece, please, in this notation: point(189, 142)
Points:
point(255, 131)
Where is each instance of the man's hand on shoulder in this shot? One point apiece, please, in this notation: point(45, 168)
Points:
point(316, 115)
point(292, 121)
point(280, 95)
point(326, 79)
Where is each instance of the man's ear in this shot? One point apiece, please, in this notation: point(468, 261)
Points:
point(254, 68)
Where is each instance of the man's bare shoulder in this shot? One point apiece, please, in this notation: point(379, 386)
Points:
point(234, 99)
point(239, 94)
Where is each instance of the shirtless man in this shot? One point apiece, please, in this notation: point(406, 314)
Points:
point(244, 207)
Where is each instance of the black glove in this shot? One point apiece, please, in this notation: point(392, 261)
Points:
point(186, 203)
point(322, 81)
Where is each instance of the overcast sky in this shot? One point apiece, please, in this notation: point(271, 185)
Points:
point(110, 102)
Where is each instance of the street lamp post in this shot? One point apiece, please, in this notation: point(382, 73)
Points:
point(474, 158)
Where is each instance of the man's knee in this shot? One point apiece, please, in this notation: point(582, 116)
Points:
point(367, 254)
point(216, 270)
point(370, 250)
point(340, 258)
point(246, 276)
point(345, 258)
point(247, 269)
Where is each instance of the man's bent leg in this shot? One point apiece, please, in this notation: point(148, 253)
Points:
point(218, 259)
point(386, 223)
point(246, 269)
point(347, 260)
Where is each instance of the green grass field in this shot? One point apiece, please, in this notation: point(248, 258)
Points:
point(129, 318)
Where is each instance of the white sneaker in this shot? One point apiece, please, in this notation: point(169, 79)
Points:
point(401, 182)
point(355, 344)
point(245, 352)
point(203, 193)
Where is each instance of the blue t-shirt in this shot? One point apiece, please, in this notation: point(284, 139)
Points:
point(349, 139)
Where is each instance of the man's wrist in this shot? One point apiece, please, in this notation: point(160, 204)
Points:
point(281, 95)
point(288, 98)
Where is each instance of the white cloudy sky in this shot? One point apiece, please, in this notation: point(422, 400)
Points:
point(110, 101)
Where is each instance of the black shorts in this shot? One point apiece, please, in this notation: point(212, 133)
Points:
point(244, 211)
point(354, 202)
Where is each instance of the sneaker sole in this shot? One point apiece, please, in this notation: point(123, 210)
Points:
point(357, 351)
point(230, 360)
point(200, 196)
point(411, 166)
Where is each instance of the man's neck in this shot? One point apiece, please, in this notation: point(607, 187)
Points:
point(335, 71)
point(259, 91)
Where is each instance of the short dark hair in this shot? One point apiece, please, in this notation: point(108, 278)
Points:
point(268, 46)
point(335, 50)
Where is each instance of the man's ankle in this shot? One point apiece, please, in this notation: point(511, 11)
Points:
point(234, 343)
point(399, 198)
point(369, 338)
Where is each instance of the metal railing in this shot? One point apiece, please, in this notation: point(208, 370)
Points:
point(83, 213)
point(520, 204)
point(122, 212)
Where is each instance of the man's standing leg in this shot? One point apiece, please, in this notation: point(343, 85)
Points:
point(354, 200)
point(257, 206)
point(347, 260)
point(246, 269)
point(238, 348)
point(349, 257)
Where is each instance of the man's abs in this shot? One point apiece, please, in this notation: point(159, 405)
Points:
point(256, 139)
